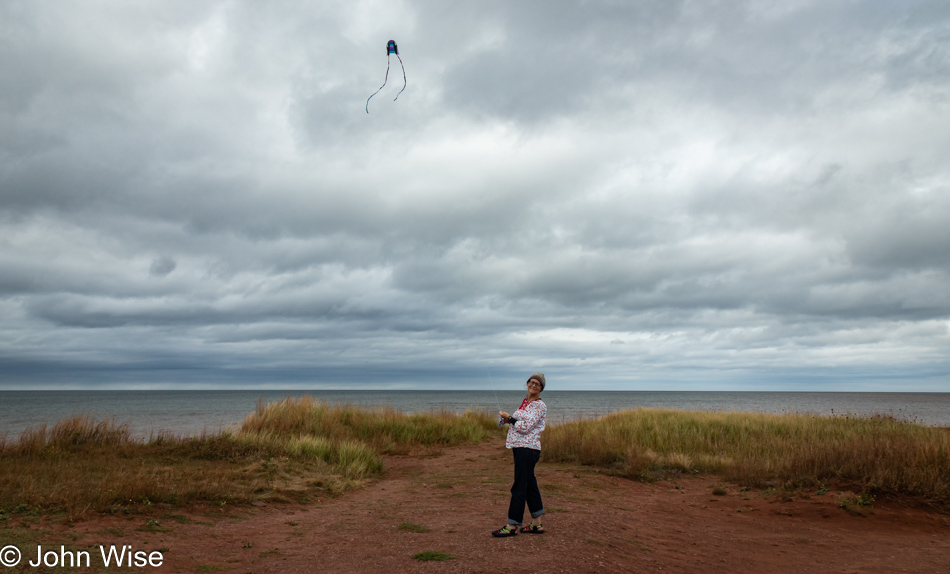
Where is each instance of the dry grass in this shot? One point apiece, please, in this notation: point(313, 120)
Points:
point(81, 464)
point(385, 429)
point(300, 448)
point(287, 450)
point(880, 453)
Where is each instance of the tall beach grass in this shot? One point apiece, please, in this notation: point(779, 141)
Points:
point(302, 448)
point(877, 453)
point(286, 450)
point(385, 429)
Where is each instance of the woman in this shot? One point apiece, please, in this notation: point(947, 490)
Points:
point(524, 439)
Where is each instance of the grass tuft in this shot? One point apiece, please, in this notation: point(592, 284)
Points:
point(878, 453)
point(286, 450)
point(433, 555)
point(385, 430)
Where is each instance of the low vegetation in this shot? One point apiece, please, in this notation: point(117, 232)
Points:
point(877, 454)
point(298, 450)
point(433, 555)
point(291, 450)
point(386, 430)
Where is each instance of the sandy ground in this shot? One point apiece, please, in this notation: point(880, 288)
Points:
point(595, 523)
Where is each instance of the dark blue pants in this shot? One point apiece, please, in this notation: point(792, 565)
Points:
point(525, 487)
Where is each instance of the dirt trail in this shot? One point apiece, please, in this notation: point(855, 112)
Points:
point(595, 523)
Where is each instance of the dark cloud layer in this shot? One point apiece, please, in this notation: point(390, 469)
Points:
point(624, 195)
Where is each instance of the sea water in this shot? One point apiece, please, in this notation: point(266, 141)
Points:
point(191, 412)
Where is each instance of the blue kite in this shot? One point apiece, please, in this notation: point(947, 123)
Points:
point(391, 48)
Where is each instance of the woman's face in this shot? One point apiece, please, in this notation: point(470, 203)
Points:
point(534, 387)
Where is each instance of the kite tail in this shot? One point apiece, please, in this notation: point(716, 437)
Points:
point(403, 78)
point(384, 82)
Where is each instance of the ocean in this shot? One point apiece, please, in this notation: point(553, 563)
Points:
point(191, 412)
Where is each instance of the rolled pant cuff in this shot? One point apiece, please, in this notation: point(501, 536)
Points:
point(514, 522)
point(538, 513)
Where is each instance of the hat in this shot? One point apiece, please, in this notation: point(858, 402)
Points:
point(538, 377)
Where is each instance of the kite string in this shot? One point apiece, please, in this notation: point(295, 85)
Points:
point(386, 80)
point(497, 402)
point(403, 78)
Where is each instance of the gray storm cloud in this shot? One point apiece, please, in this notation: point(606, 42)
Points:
point(660, 195)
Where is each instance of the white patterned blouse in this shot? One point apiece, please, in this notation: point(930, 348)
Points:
point(526, 432)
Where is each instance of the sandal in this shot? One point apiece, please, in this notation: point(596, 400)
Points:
point(507, 530)
point(533, 529)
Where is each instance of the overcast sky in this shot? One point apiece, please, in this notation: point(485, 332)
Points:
point(624, 195)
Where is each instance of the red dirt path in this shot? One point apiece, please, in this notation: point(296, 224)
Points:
point(595, 523)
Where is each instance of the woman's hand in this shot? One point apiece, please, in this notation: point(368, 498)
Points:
point(503, 415)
